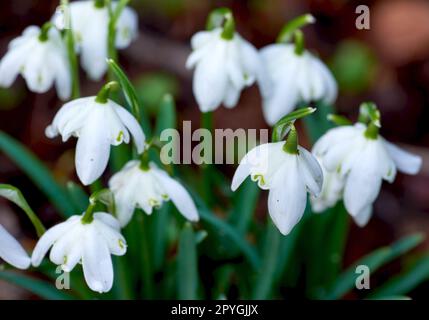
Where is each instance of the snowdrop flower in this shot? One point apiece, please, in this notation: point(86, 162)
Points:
point(295, 78)
point(364, 159)
point(147, 187)
point(40, 56)
point(97, 122)
point(89, 21)
point(11, 251)
point(288, 173)
point(332, 188)
point(224, 65)
point(90, 242)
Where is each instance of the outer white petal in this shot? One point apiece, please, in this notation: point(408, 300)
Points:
point(363, 184)
point(363, 216)
point(64, 244)
point(330, 83)
point(11, 251)
point(48, 239)
point(93, 148)
point(311, 171)
point(178, 195)
point(405, 161)
point(287, 198)
point(210, 79)
point(202, 38)
point(37, 73)
point(127, 28)
point(10, 66)
point(258, 156)
point(96, 262)
point(132, 125)
point(232, 96)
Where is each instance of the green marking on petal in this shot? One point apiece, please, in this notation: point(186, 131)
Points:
point(121, 244)
point(120, 136)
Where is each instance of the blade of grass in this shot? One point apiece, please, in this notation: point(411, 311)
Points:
point(346, 281)
point(187, 280)
point(40, 288)
point(38, 173)
point(405, 282)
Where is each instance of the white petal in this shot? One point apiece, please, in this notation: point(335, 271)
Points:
point(362, 185)
point(92, 149)
point(108, 220)
point(64, 244)
point(405, 161)
point(178, 195)
point(132, 125)
point(11, 251)
point(48, 239)
point(311, 171)
point(363, 216)
point(114, 240)
point(97, 263)
point(210, 79)
point(127, 28)
point(287, 198)
point(202, 38)
point(10, 66)
point(231, 97)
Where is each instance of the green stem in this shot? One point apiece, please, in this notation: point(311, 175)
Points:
point(288, 31)
point(371, 131)
point(222, 18)
point(71, 53)
point(103, 94)
point(44, 32)
point(299, 42)
point(207, 123)
point(147, 267)
point(291, 144)
point(88, 217)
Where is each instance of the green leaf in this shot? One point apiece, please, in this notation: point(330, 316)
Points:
point(373, 261)
point(78, 196)
point(166, 118)
point(223, 230)
point(187, 265)
point(38, 173)
point(41, 288)
point(130, 95)
point(406, 281)
point(14, 195)
point(282, 127)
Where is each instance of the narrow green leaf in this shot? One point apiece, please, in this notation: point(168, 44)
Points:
point(159, 235)
point(130, 95)
point(38, 173)
point(166, 118)
point(78, 196)
point(187, 265)
point(373, 261)
point(405, 282)
point(14, 195)
point(41, 288)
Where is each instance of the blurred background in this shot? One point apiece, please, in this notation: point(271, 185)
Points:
point(388, 64)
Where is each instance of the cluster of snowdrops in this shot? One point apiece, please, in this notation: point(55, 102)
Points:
point(347, 163)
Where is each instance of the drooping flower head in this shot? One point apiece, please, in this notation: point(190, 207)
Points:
point(288, 171)
point(90, 24)
point(98, 123)
point(364, 159)
point(90, 241)
point(40, 56)
point(296, 75)
point(147, 187)
point(224, 63)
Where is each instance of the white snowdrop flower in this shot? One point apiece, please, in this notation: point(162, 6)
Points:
point(136, 186)
point(223, 68)
point(288, 176)
point(332, 190)
point(98, 124)
point(295, 78)
point(89, 22)
point(90, 243)
point(40, 56)
point(11, 251)
point(364, 161)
